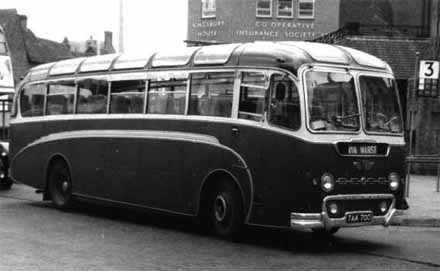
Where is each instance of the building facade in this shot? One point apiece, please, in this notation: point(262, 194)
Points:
point(229, 21)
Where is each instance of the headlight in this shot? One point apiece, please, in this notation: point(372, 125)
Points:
point(393, 181)
point(327, 182)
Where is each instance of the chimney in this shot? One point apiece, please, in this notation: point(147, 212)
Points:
point(23, 21)
point(108, 42)
point(66, 43)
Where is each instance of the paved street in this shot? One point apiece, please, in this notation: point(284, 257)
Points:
point(35, 236)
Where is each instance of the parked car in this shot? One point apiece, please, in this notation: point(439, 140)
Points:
point(5, 181)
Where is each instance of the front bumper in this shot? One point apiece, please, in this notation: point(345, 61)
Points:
point(324, 221)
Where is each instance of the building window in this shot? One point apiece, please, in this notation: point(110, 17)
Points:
point(285, 8)
point(264, 8)
point(208, 8)
point(306, 9)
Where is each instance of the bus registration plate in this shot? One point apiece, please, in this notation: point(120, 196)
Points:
point(362, 150)
point(359, 217)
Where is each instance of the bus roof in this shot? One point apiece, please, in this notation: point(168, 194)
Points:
point(287, 55)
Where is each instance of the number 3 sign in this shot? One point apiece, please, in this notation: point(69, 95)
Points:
point(429, 69)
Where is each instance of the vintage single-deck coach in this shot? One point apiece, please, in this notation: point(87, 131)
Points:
point(284, 134)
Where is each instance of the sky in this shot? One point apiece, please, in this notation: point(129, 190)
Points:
point(148, 24)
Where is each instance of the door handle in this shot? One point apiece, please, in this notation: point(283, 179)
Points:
point(235, 131)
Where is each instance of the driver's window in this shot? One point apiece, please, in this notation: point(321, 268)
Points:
point(284, 108)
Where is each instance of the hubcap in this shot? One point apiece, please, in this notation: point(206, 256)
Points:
point(64, 186)
point(220, 208)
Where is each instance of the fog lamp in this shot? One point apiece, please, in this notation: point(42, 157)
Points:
point(394, 181)
point(333, 208)
point(383, 207)
point(327, 182)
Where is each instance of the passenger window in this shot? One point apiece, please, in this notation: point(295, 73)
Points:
point(32, 100)
point(167, 96)
point(60, 98)
point(252, 95)
point(92, 96)
point(284, 109)
point(127, 97)
point(211, 94)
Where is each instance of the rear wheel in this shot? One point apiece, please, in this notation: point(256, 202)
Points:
point(60, 185)
point(226, 210)
point(5, 181)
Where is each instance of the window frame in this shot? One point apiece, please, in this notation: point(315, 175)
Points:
point(190, 82)
point(284, 16)
point(240, 73)
point(263, 15)
point(361, 97)
point(306, 100)
point(19, 97)
point(144, 94)
point(306, 16)
point(269, 101)
point(156, 78)
point(210, 11)
point(97, 78)
point(49, 83)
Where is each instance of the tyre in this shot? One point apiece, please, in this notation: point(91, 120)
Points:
point(60, 186)
point(5, 183)
point(325, 232)
point(226, 210)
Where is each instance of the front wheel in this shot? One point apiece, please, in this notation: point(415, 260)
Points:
point(60, 186)
point(226, 210)
point(325, 232)
point(5, 183)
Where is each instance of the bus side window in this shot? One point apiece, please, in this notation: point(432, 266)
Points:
point(60, 98)
point(32, 100)
point(167, 97)
point(127, 97)
point(92, 96)
point(211, 94)
point(284, 108)
point(252, 96)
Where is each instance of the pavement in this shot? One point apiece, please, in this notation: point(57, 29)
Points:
point(424, 204)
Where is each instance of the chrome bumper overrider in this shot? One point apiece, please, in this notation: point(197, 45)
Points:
point(323, 221)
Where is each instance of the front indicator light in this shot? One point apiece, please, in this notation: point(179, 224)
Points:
point(327, 182)
point(394, 181)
